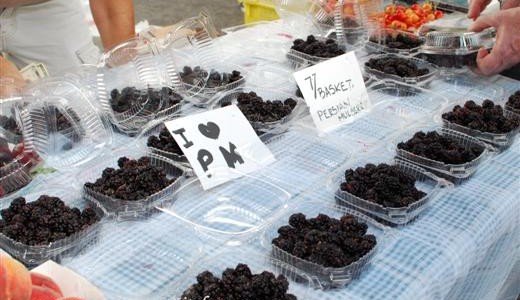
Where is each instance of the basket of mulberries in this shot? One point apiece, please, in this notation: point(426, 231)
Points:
point(487, 121)
point(131, 189)
point(51, 224)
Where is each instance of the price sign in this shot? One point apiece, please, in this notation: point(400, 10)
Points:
point(334, 90)
point(220, 145)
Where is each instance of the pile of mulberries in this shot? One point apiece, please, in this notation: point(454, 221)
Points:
point(151, 99)
point(239, 284)
point(314, 47)
point(257, 110)
point(43, 221)
point(196, 75)
point(383, 184)
point(134, 180)
point(400, 41)
point(326, 241)
point(217, 79)
point(399, 66)
point(437, 147)
point(487, 117)
point(164, 142)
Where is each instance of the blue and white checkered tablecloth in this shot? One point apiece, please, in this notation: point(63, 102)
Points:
point(464, 245)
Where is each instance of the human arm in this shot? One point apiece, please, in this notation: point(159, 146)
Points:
point(506, 52)
point(12, 78)
point(114, 20)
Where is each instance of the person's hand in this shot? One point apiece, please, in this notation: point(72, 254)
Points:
point(506, 52)
point(478, 6)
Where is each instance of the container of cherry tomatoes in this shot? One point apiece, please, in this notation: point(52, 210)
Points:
point(410, 18)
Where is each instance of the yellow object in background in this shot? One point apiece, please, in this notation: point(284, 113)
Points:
point(258, 10)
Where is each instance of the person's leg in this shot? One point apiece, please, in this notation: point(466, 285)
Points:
point(54, 33)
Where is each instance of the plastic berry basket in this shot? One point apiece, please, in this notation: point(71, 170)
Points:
point(141, 64)
point(377, 42)
point(232, 213)
point(425, 181)
point(299, 59)
point(57, 250)
point(267, 95)
point(217, 262)
point(324, 277)
point(202, 97)
point(123, 210)
point(422, 81)
point(153, 129)
point(454, 172)
point(501, 141)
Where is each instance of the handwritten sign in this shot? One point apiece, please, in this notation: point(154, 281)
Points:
point(334, 90)
point(220, 145)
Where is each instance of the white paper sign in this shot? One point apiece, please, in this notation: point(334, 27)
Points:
point(334, 90)
point(220, 145)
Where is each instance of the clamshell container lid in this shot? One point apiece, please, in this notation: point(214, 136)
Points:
point(61, 124)
point(439, 39)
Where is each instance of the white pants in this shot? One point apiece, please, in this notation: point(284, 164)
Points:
point(54, 33)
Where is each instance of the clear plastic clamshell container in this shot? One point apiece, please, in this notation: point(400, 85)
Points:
point(454, 48)
point(323, 277)
point(422, 81)
point(426, 182)
point(453, 172)
point(281, 125)
point(136, 82)
point(408, 102)
point(233, 212)
point(298, 60)
point(154, 129)
point(500, 141)
point(57, 250)
point(190, 44)
point(256, 260)
point(220, 76)
point(509, 106)
point(15, 164)
point(387, 40)
point(315, 12)
point(123, 210)
point(140, 260)
point(353, 21)
point(61, 125)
